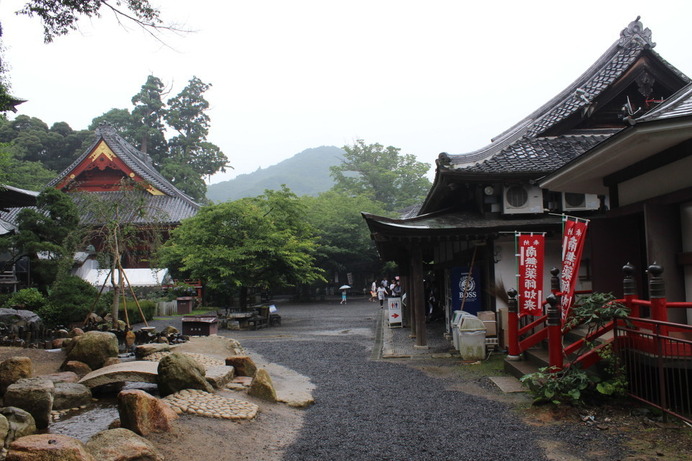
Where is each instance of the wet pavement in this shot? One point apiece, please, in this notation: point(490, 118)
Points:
point(389, 341)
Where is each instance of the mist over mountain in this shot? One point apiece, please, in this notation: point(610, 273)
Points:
point(306, 173)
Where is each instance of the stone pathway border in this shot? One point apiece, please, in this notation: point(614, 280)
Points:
point(202, 403)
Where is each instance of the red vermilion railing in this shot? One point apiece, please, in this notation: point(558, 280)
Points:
point(550, 326)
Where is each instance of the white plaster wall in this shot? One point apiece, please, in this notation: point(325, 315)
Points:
point(669, 178)
point(506, 268)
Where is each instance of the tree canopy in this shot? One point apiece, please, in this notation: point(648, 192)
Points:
point(188, 156)
point(20, 173)
point(59, 17)
point(48, 235)
point(32, 140)
point(257, 242)
point(383, 174)
point(344, 239)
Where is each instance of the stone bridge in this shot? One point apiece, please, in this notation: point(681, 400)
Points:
point(141, 371)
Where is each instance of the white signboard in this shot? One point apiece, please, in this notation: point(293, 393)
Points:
point(394, 310)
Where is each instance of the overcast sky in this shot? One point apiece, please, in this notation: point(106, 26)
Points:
point(424, 76)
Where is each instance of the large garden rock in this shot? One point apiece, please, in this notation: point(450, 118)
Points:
point(122, 445)
point(143, 413)
point(14, 369)
point(219, 375)
point(177, 371)
point(62, 377)
point(70, 395)
point(20, 423)
point(81, 369)
point(243, 365)
point(93, 348)
point(4, 430)
point(262, 386)
point(34, 395)
point(48, 447)
point(14, 319)
point(144, 350)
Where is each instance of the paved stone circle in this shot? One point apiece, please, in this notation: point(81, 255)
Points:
point(197, 402)
point(202, 359)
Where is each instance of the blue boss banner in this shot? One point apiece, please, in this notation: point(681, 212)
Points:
point(466, 289)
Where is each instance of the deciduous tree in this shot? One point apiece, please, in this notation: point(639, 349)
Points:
point(343, 238)
point(383, 174)
point(253, 242)
point(59, 17)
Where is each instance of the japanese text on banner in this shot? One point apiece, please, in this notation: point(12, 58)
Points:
point(572, 247)
point(531, 256)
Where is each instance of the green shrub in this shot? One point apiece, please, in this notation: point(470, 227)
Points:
point(572, 384)
point(26, 298)
point(148, 308)
point(69, 301)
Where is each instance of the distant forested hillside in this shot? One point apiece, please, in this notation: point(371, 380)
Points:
point(306, 173)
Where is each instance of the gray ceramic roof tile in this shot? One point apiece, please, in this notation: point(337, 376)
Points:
point(539, 155)
point(520, 149)
point(173, 206)
point(678, 105)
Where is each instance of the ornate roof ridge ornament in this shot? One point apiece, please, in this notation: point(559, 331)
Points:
point(104, 128)
point(636, 31)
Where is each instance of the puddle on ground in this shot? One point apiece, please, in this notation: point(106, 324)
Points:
point(83, 424)
point(350, 331)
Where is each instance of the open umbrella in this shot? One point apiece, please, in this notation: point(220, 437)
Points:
point(344, 287)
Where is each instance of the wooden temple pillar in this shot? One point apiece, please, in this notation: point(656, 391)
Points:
point(418, 296)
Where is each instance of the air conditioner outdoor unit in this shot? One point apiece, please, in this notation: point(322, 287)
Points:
point(522, 199)
point(579, 202)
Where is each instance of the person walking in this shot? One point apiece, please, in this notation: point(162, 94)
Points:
point(381, 293)
point(343, 297)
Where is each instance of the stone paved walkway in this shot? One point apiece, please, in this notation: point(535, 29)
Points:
point(202, 403)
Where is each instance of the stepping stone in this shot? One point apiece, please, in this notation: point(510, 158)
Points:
point(508, 384)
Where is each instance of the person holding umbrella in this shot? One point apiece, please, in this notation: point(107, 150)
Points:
point(343, 289)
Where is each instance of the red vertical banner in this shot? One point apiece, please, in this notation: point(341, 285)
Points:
point(572, 247)
point(531, 249)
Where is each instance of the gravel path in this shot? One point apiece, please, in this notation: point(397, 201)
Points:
point(422, 408)
point(381, 410)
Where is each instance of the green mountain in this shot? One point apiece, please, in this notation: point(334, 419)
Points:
point(306, 173)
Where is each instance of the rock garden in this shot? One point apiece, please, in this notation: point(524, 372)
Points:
point(209, 378)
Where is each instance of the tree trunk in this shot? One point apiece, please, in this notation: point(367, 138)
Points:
point(243, 297)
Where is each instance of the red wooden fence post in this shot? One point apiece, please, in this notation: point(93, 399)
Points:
point(513, 352)
point(657, 295)
point(629, 290)
point(554, 325)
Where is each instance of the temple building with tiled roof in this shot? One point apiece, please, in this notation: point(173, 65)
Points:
point(112, 170)
point(478, 200)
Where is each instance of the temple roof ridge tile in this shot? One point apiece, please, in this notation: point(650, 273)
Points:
point(611, 65)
